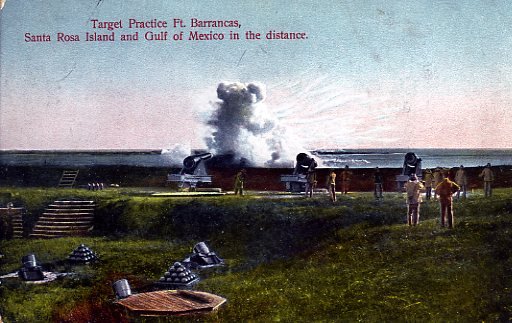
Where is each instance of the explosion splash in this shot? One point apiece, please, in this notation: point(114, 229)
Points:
point(245, 128)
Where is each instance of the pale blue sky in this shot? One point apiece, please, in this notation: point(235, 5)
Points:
point(367, 70)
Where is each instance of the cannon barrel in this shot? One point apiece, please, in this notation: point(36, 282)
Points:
point(304, 162)
point(410, 159)
point(412, 164)
point(191, 162)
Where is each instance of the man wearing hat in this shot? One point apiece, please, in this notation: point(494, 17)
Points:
point(331, 185)
point(346, 177)
point(429, 179)
point(239, 182)
point(488, 177)
point(377, 179)
point(462, 180)
point(413, 189)
point(310, 181)
point(445, 190)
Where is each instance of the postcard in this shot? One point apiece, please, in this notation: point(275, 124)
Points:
point(263, 98)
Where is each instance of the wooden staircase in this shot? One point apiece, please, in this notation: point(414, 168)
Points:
point(65, 218)
point(68, 178)
point(17, 222)
point(12, 222)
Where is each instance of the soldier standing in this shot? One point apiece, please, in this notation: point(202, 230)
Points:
point(488, 177)
point(239, 182)
point(462, 180)
point(346, 177)
point(311, 178)
point(377, 179)
point(428, 178)
point(413, 188)
point(445, 190)
point(331, 183)
point(310, 181)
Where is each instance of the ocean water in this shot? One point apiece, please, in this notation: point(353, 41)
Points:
point(430, 158)
point(360, 158)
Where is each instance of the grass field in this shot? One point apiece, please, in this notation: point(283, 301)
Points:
point(287, 259)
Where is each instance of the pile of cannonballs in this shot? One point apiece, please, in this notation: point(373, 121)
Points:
point(178, 275)
point(82, 254)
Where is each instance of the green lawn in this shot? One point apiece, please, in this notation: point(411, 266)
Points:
point(288, 259)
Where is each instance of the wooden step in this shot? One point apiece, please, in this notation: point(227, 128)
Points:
point(68, 178)
point(15, 220)
point(55, 235)
point(61, 229)
point(63, 223)
point(65, 218)
point(70, 207)
point(69, 210)
point(71, 203)
point(68, 214)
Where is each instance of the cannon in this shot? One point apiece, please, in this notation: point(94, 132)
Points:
point(30, 271)
point(411, 165)
point(193, 171)
point(297, 181)
point(202, 257)
point(122, 289)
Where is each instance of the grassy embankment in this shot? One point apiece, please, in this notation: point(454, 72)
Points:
point(288, 259)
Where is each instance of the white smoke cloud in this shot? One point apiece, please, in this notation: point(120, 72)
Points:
point(244, 126)
point(175, 155)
